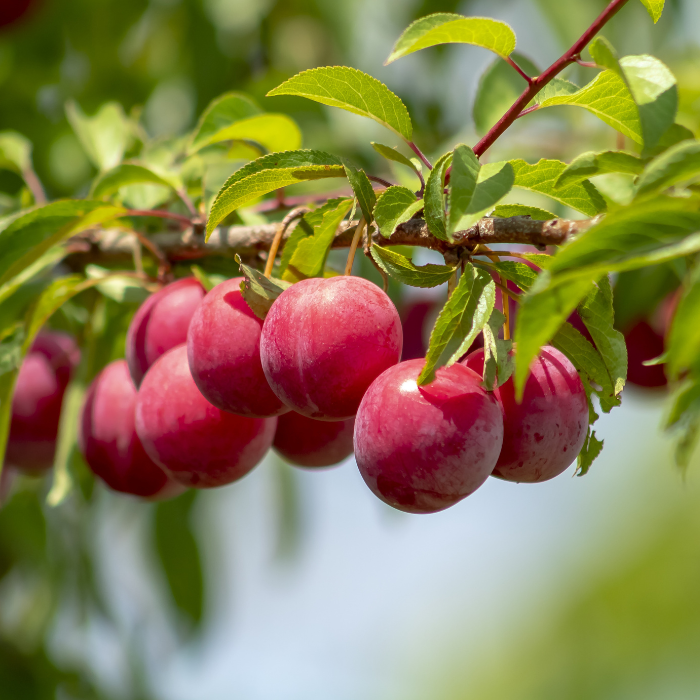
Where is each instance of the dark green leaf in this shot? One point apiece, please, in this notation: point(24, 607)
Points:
point(592, 447)
point(680, 163)
point(434, 198)
point(495, 182)
point(683, 344)
point(259, 291)
point(403, 270)
point(498, 360)
point(519, 273)
point(395, 206)
point(591, 164)
point(362, 188)
point(393, 154)
point(463, 179)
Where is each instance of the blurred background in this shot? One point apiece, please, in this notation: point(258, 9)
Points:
point(292, 584)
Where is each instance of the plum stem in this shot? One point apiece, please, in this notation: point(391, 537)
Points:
point(359, 230)
point(274, 246)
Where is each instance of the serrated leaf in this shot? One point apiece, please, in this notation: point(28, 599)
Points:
point(352, 90)
point(448, 28)
point(463, 179)
point(495, 181)
point(363, 190)
point(258, 291)
point(593, 163)
point(592, 447)
point(499, 87)
point(654, 8)
point(104, 136)
point(15, 152)
point(403, 270)
point(309, 255)
point(393, 154)
point(125, 174)
point(680, 163)
point(508, 210)
point(464, 315)
point(220, 114)
point(434, 198)
point(596, 312)
point(542, 176)
point(395, 206)
point(268, 174)
point(498, 360)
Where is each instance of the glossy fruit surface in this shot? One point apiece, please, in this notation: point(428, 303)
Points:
point(324, 341)
point(423, 449)
point(543, 434)
point(198, 444)
point(223, 349)
point(160, 324)
point(306, 442)
point(36, 404)
point(108, 441)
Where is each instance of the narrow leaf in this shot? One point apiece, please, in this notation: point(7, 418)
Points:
point(403, 270)
point(434, 198)
point(395, 206)
point(680, 163)
point(463, 179)
point(683, 343)
point(393, 154)
point(507, 210)
point(362, 188)
point(592, 447)
point(591, 164)
point(498, 360)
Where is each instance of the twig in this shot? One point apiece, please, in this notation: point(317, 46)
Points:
point(380, 180)
point(419, 153)
point(510, 61)
point(161, 214)
point(282, 227)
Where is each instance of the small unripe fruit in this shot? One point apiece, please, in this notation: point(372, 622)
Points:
point(196, 443)
point(36, 404)
point(223, 349)
point(545, 432)
point(324, 341)
point(423, 449)
point(108, 441)
point(306, 442)
point(160, 324)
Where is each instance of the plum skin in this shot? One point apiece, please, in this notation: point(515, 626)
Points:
point(306, 442)
point(198, 444)
point(546, 431)
point(161, 323)
point(324, 341)
point(108, 441)
point(36, 403)
point(223, 350)
point(423, 449)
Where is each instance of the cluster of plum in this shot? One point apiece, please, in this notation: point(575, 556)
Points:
point(207, 388)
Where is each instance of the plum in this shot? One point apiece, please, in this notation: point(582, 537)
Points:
point(197, 443)
point(324, 341)
point(423, 449)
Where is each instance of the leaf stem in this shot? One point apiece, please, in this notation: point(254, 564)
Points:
point(274, 246)
point(419, 153)
point(528, 110)
point(536, 84)
point(35, 186)
point(164, 267)
point(359, 230)
point(511, 62)
point(380, 180)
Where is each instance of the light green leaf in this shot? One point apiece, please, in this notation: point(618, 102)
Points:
point(592, 447)
point(15, 152)
point(498, 359)
point(50, 258)
point(463, 179)
point(125, 174)
point(393, 154)
point(352, 90)
point(219, 115)
point(434, 198)
point(258, 291)
point(395, 206)
point(654, 8)
point(499, 87)
point(104, 136)
point(403, 270)
point(460, 321)
point(495, 182)
point(591, 164)
point(680, 163)
point(448, 28)
point(519, 273)
point(555, 88)
point(542, 176)
point(535, 213)
point(605, 55)
point(121, 289)
point(362, 188)
point(268, 174)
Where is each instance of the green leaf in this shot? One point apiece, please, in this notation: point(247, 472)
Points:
point(463, 179)
point(555, 88)
point(680, 163)
point(434, 198)
point(499, 87)
point(269, 173)
point(507, 210)
point(605, 55)
point(593, 163)
point(125, 174)
point(178, 554)
point(596, 312)
point(125, 290)
point(654, 8)
point(519, 273)
point(683, 342)
point(393, 154)
point(352, 90)
point(15, 152)
point(403, 270)
point(592, 447)
point(673, 135)
point(219, 115)
point(542, 176)
point(50, 258)
point(395, 206)
point(498, 360)
point(460, 321)
point(258, 291)
point(448, 28)
point(495, 182)
point(362, 188)
point(104, 136)
point(309, 253)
